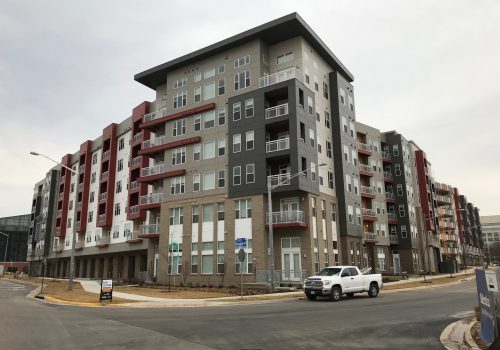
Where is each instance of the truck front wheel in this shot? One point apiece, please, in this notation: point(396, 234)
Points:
point(373, 290)
point(336, 294)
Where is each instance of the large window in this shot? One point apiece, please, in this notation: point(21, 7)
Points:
point(179, 156)
point(249, 136)
point(209, 150)
point(209, 91)
point(209, 181)
point(208, 212)
point(236, 111)
point(209, 120)
point(179, 127)
point(242, 80)
point(236, 143)
point(284, 58)
point(249, 108)
point(241, 61)
point(207, 264)
point(243, 209)
point(197, 152)
point(180, 99)
point(178, 185)
point(250, 173)
point(236, 175)
point(176, 216)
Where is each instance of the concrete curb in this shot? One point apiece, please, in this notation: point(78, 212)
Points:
point(458, 336)
point(469, 339)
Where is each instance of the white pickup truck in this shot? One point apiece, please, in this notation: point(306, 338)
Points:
point(335, 281)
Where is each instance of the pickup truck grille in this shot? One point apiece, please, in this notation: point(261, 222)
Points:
point(314, 282)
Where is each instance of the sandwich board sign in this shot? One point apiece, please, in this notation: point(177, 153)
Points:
point(106, 290)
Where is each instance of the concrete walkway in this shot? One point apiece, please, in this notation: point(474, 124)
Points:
point(457, 336)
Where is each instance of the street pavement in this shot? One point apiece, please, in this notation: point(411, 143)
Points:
point(396, 320)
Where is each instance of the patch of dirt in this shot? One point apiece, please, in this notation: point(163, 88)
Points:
point(429, 282)
point(176, 293)
point(477, 338)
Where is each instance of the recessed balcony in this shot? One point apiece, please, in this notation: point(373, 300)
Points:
point(390, 197)
point(133, 237)
point(386, 157)
point(101, 241)
point(363, 148)
point(443, 200)
point(105, 154)
point(368, 192)
point(160, 143)
point(151, 200)
point(137, 138)
point(101, 218)
point(154, 115)
point(365, 170)
point(276, 111)
point(278, 145)
point(134, 185)
point(388, 176)
point(369, 214)
point(393, 239)
point(105, 175)
point(103, 196)
point(79, 245)
point(149, 231)
point(279, 180)
point(284, 219)
point(136, 161)
point(370, 237)
point(392, 218)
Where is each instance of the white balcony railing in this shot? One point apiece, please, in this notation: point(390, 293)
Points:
point(367, 190)
point(364, 147)
point(137, 137)
point(278, 145)
point(387, 175)
point(150, 229)
point(79, 245)
point(105, 175)
point(389, 195)
point(392, 216)
point(155, 115)
point(153, 170)
point(132, 235)
point(386, 155)
point(103, 196)
point(287, 74)
point(154, 142)
point(370, 236)
point(134, 185)
point(279, 180)
point(368, 212)
point(286, 217)
point(101, 240)
point(393, 239)
point(277, 111)
point(133, 209)
point(365, 168)
point(106, 154)
point(101, 217)
point(151, 198)
point(135, 160)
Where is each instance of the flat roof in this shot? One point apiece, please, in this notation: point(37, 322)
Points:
point(273, 32)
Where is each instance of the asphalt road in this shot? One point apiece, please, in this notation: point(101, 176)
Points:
point(402, 320)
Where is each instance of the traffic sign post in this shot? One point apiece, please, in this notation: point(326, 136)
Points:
point(241, 258)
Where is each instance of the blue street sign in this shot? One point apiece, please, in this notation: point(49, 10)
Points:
point(487, 310)
point(241, 242)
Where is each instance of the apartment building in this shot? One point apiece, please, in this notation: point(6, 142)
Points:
point(13, 243)
point(490, 227)
point(448, 227)
point(472, 249)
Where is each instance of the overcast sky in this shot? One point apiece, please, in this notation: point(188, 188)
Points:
point(428, 69)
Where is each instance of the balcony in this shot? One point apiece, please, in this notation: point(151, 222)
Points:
point(56, 248)
point(103, 196)
point(370, 237)
point(386, 157)
point(80, 186)
point(137, 138)
point(393, 239)
point(79, 245)
point(81, 168)
point(105, 154)
point(154, 115)
point(133, 237)
point(279, 180)
point(443, 200)
point(105, 175)
point(446, 225)
point(78, 205)
point(363, 148)
point(392, 217)
point(278, 145)
point(277, 111)
point(283, 219)
point(388, 176)
point(369, 214)
point(287, 74)
point(368, 192)
point(151, 199)
point(134, 185)
point(365, 170)
point(158, 141)
point(101, 241)
point(390, 198)
point(101, 218)
point(442, 212)
point(134, 209)
point(149, 231)
point(135, 161)
point(153, 170)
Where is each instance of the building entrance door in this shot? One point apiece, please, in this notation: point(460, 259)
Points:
point(290, 259)
point(395, 261)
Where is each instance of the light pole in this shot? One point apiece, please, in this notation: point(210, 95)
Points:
point(73, 241)
point(6, 246)
point(270, 187)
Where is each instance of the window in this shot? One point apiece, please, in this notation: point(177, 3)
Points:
point(350, 213)
point(320, 142)
point(220, 263)
point(242, 80)
point(342, 96)
point(197, 77)
point(69, 223)
point(334, 211)
point(243, 209)
point(176, 216)
point(403, 231)
point(196, 152)
point(346, 153)
point(221, 147)
point(92, 195)
point(220, 217)
point(236, 143)
point(197, 94)
point(197, 122)
point(92, 177)
point(180, 82)
point(236, 175)
point(179, 156)
point(397, 169)
point(330, 180)
point(249, 108)
point(241, 61)
point(249, 136)
point(402, 210)
point(328, 149)
point(118, 186)
point(310, 105)
point(301, 98)
point(221, 69)
point(348, 183)
point(116, 231)
point(325, 90)
point(180, 99)
point(399, 189)
point(70, 206)
point(209, 181)
point(195, 216)
point(318, 117)
point(164, 97)
point(221, 87)
point(120, 165)
point(395, 150)
point(117, 209)
point(246, 266)
point(91, 216)
point(121, 144)
point(344, 125)
point(287, 57)
point(313, 171)
point(194, 264)
point(177, 185)
point(209, 120)
point(209, 150)
point(208, 212)
point(250, 172)
point(311, 137)
point(209, 72)
point(209, 91)
point(302, 132)
point(94, 158)
point(179, 127)
point(351, 102)
point(72, 189)
point(265, 60)
point(221, 181)
point(356, 186)
point(236, 111)
point(196, 182)
point(222, 116)
point(207, 264)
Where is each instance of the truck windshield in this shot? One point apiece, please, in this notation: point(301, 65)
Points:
point(330, 271)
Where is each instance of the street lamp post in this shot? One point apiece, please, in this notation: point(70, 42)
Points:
point(270, 187)
point(6, 246)
point(73, 241)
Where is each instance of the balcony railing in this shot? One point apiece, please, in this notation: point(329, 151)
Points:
point(105, 175)
point(368, 190)
point(286, 217)
point(443, 199)
point(106, 154)
point(153, 170)
point(151, 198)
point(134, 209)
point(386, 155)
point(155, 115)
point(150, 229)
point(101, 240)
point(101, 217)
point(279, 180)
point(78, 205)
point(365, 168)
point(137, 137)
point(79, 245)
point(132, 235)
point(368, 212)
point(370, 236)
point(393, 239)
point(134, 185)
point(154, 142)
point(277, 111)
point(278, 145)
point(364, 147)
point(80, 186)
point(287, 74)
point(103, 196)
point(387, 175)
point(392, 216)
point(135, 160)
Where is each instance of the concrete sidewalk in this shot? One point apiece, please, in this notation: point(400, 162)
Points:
point(458, 336)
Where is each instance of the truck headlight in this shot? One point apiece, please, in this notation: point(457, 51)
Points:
point(325, 283)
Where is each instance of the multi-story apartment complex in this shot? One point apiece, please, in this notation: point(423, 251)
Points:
point(13, 242)
point(448, 227)
point(472, 242)
point(490, 227)
point(169, 189)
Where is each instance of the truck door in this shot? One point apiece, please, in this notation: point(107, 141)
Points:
point(356, 279)
point(347, 281)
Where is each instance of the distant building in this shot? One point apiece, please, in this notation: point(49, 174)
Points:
point(16, 227)
point(490, 226)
